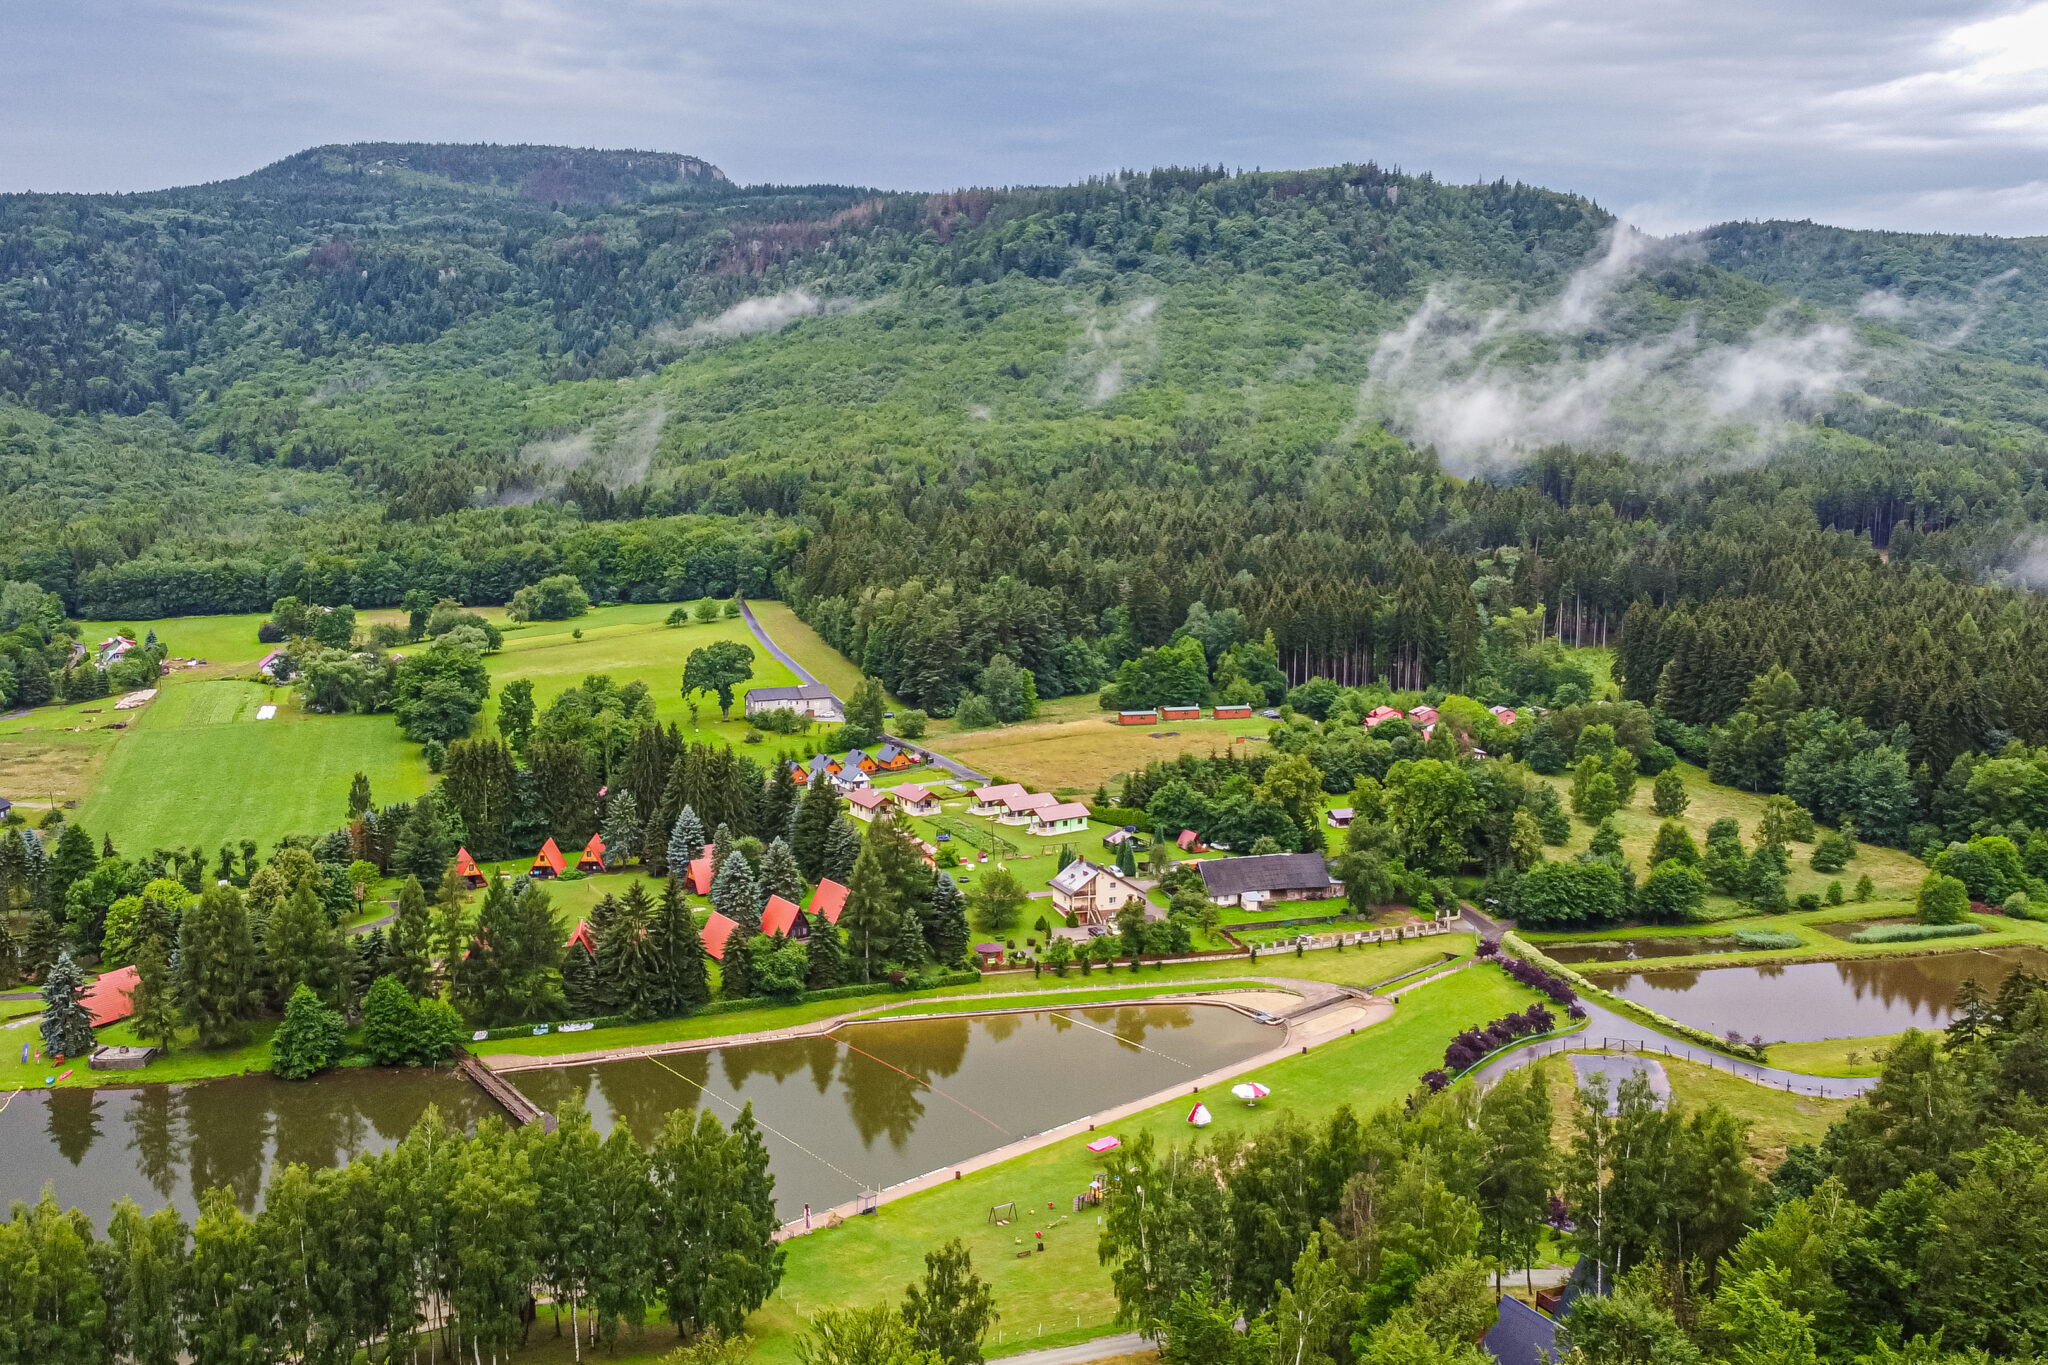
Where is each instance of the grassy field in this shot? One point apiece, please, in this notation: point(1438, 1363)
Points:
point(1835, 1056)
point(1073, 746)
point(186, 1062)
point(195, 766)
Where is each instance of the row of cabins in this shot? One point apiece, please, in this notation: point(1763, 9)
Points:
point(1159, 713)
point(780, 918)
point(859, 766)
point(1040, 812)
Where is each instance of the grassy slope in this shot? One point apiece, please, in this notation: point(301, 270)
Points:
point(1073, 745)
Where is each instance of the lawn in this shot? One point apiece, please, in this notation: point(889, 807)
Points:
point(1835, 1056)
point(1073, 746)
point(807, 647)
point(185, 1063)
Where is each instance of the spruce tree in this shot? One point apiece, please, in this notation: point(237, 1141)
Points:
point(630, 975)
point(622, 827)
point(654, 846)
point(827, 957)
point(946, 932)
point(736, 969)
point(154, 999)
point(779, 801)
point(303, 947)
point(411, 948)
point(735, 895)
point(870, 917)
point(67, 1026)
point(684, 983)
point(816, 815)
point(453, 930)
point(217, 965)
point(780, 875)
point(581, 986)
point(842, 847)
point(685, 842)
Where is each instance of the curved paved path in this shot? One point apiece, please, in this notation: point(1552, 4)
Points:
point(1615, 1032)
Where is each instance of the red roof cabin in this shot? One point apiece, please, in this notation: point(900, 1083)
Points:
point(779, 916)
point(717, 930)
point(584, 937)
point(1190, 842)
point(592, 859)
point(1137, 718)
point(548, 862)
point(466, 868)
point(1232, 713)
point(1379, 715)
point(827, 901)
point(1422, 715)
point(1181, 712)
point(106, 999)
point(700, 872)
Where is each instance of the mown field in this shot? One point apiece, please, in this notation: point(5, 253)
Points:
point(1073, 746)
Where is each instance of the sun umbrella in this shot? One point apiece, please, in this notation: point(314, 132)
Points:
point(1250, 1091)
point(1199, 1116)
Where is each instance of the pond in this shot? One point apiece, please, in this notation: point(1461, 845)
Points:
point(1804, 1001)
point(1636, 949)
point(161, 1143)
point(881, 1102)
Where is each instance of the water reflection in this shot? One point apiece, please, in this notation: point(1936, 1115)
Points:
point(1636, 949)
point(881, 1102)
point(1802, 1001)
point(161, 1144)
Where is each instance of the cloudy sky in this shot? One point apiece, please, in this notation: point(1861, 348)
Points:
point(1872, 113)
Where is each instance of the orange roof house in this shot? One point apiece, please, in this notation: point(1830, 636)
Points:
point(466, 868)
point(799, 774)
point(827, 901)
point(782, 917)
point(548, 862)
point(700, 873)
point(106, 999)
point(717, 930)
point(866, 762)
point(593, 855)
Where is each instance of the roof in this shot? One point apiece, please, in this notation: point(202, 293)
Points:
point(1342, 812)
point(778, 916)
point(1266, 872)
point(595, 848)
point(107, 998)
point(1188, 839)
point(582, 937)
point(1148, 711)
point(1070, 810)
point(717, 930)
point(700, 873)
point(988, 796)
point(1425, 714)
point(868, 798)
point(465, 866)
point(1075, 876)
point(1520, 1335)
point(828, 900)
point(1030, 800)
point(912, 793)
point(888, 751)
point(802, 692)
point(820, 763)
point(550, 855)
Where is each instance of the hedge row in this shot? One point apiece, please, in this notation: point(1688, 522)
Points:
point(1913, 933)
point(1699, 1037)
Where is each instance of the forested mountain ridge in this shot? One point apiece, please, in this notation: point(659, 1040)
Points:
point(1037, 421)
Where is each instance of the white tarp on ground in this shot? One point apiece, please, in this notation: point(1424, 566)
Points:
point(265, 712)
point(135, 699)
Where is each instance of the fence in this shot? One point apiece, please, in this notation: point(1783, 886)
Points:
point(1790, 1082)
point(1354, 937)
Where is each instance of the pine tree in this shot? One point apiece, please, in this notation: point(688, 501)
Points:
point(622, 827)
point(581, 984)
point(654, 846)
point(816, 816)
point(946, 931)
point(780, 875)
point(452, 933)
point(358, 795)
point(410, 942)
point(826, 966)
point(67, 1026)
point(736, 968)
point(870, 917)
point(303, 947)
point(685, 842)
point(424, 843)
point(724, 844)
point(735, 895)
point(630, 973)
point(218, 987)
point(153, 1000)
point(679, 950)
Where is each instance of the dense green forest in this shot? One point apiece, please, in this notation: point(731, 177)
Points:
point(1042, 422)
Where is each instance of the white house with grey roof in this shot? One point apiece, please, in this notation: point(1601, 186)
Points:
point(1251, 882)
point(811, 699)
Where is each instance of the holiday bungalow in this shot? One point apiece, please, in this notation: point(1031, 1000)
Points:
point(1063, 818)
point(592, 858)
point(867, 803)
point(466, 868)
point(799, 774)
point(1422, 715)
point(1137, 718)
point(827, 900)
point(1190, 842)
point(1088, 894)
point(1250, 882)
point(892, 757)
point(106, 999)
point(700, 871)
point(1240, 712)
point(811, 699)
point(267, 665)
point(1504, 714)
point(548, 862)
point(1023, 808)
point(1341, 817)
point(5, 806)
point(1125, 834)
point(111, 649)
point(915, 800)
point(823, 765)
point(851, 779)
point(781, 917)
point(717, 930)
point(1181, 712)
point(989, 800)
point(1380, 715)
point(865, 761)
